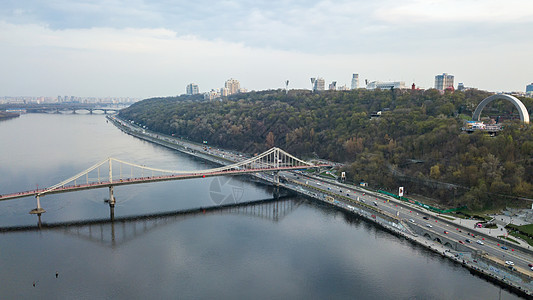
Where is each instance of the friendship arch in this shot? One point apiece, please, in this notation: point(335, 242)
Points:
point(524, 115)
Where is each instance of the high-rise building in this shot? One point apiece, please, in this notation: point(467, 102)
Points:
point(192, 89)
point(355, 81)
point(460, 86)
point(319, 84)
point(443, 82)
point(529, 90)
point(333, 86)
point(233, 86)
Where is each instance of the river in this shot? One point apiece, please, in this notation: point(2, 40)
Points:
point(290, 249)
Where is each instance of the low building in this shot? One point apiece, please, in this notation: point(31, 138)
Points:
point(211, 95)
point(382, 85)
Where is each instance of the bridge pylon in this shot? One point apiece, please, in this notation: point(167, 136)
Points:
point(111, 196)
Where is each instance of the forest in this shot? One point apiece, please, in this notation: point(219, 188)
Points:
point(387, 138)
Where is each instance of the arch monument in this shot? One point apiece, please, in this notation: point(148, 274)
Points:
point(524, 115)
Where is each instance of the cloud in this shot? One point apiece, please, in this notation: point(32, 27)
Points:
point(138, 48)
point(316, 26)
point(469, 11)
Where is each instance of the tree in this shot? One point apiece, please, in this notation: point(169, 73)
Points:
point(434, 172)
point(270, 143)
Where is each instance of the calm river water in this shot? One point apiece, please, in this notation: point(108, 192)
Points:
point(291, 249)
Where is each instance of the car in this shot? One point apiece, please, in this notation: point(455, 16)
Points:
point(530, 265)
point(461, 242)
point(479, 242)
point(468, 241)
point(426, 218)
point(427, 225)
point(411, 220)
point(504, 248)
point(445, 232)
point(375, 203)
point(510, 263)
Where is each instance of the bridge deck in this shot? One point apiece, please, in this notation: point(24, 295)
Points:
point(138, 180)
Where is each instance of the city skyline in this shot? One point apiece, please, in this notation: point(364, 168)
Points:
point(155, 49)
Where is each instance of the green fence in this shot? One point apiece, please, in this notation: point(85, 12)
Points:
point(422, 204)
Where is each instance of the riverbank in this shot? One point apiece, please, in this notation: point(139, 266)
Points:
point(8, 115)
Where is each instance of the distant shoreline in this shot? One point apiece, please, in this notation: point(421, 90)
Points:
point(7, 115)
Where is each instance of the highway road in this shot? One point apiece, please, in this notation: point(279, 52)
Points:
point(408, 213)
point(437, 225)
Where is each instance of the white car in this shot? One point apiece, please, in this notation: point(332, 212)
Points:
point(479, 242)
point(508, 262)
point(429, 226)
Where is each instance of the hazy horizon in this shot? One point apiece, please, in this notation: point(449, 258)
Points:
point(148, 49)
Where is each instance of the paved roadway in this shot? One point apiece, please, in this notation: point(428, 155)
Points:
point(406, 212)
point(438, 225)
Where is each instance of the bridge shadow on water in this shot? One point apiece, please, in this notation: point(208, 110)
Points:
point(115, 231)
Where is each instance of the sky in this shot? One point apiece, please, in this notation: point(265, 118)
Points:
point(142, 49)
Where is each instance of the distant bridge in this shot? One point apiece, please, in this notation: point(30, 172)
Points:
point(273, 160)
point(64, 107)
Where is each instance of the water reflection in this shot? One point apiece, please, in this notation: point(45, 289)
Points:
point(114, 232)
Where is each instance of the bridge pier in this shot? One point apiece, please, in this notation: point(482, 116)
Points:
point(276, 178)
point(276, 192)
point(112, 213)
point(39, 210)
point(111, 197)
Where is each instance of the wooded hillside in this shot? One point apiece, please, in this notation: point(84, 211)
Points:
point(416, 142)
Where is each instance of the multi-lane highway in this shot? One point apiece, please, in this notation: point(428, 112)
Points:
point(438, 225)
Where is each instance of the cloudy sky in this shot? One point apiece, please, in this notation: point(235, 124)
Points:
point(156, 47)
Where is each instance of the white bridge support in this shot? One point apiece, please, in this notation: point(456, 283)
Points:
point(39, 210)
point(111, 196)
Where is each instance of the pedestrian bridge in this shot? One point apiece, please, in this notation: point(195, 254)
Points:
point(113, 172)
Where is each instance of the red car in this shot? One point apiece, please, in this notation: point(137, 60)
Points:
point(461, 242)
